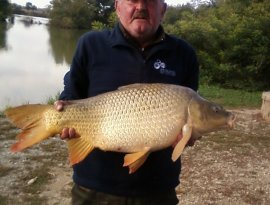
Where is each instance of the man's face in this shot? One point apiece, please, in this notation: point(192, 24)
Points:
point(140, 18)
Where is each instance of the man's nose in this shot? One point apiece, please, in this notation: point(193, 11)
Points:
point(142, 4)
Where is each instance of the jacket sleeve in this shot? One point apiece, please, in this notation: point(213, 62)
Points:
point(76, 81)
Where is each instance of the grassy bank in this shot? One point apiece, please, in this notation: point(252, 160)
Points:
point(231, 98)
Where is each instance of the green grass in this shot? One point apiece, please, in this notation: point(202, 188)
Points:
point(51, 100)
point(231, 98)
point(3, 200)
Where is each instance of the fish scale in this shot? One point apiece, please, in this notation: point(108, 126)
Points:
point(147, 105)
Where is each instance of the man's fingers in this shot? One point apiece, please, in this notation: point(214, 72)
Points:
point(59, 105)
point(68, 133)
point(72, 133)
point(65, 133)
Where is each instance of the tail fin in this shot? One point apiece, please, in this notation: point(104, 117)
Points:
point(29, 119)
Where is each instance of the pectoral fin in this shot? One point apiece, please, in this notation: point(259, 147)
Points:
point(135, 160)
point(178, 149)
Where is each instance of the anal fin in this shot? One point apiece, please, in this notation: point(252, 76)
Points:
point(135, 160)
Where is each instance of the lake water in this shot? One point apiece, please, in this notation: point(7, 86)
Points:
point(33, 60)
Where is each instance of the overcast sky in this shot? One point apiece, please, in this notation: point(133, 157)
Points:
point(45, 3)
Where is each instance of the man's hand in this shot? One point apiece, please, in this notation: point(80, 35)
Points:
point(67, 133)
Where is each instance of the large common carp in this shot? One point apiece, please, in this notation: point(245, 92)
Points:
point(135, 119)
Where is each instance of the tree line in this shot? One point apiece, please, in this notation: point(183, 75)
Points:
point(82, 14)
point(231, 37)
point(5, 10)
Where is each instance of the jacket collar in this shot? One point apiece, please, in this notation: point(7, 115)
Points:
point(119, 37)
point(159, 36)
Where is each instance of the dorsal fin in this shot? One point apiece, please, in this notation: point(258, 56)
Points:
point(135, 85)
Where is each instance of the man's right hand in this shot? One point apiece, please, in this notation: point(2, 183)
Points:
point(67, 133)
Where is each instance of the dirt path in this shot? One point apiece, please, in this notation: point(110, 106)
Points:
point(227, 167)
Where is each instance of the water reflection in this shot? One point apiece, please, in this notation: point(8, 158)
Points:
point(3, 36)
point(33, 61)
point(63, 43)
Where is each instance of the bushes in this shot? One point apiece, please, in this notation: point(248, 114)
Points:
point(5, 10)
point(232, 40)
point(79, 14)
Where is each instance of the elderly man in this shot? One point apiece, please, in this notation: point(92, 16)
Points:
point(137, 50)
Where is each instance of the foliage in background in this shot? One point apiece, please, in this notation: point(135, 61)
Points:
point(80, 14)
point(73, 14)
point(5, 10)
point(111, 21)
point(30, 10)
point(232, 39)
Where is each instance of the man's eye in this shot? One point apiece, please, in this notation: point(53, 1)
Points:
point(136, 1)
point(132, 1)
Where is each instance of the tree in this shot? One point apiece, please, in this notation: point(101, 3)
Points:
point(232, 39)
point(5, 10)
point(105, 9)
point(30, 6)
point(80, 13)
point(73, 14)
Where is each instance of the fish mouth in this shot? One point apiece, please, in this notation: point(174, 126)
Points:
point(231, 121)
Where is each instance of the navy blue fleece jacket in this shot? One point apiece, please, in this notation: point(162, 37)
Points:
point(105, 60)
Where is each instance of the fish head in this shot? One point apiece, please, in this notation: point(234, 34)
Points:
point(207, 116)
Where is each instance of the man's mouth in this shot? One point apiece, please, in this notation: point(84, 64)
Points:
point(140, 15)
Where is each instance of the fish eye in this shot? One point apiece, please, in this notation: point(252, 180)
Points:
point(216, 109)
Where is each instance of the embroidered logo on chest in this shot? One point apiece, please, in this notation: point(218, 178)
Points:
point(161, 66)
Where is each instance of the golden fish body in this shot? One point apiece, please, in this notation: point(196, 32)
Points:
point(138, 118)
point(128, 119)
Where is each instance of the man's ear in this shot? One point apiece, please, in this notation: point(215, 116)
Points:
point(116, 8)
point(164, 9)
